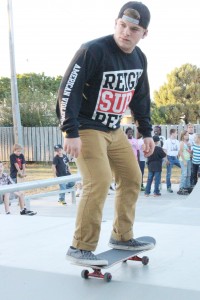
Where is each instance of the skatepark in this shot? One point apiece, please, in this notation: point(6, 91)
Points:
point(32, 252)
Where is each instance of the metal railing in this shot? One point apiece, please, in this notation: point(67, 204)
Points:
point(24, 186)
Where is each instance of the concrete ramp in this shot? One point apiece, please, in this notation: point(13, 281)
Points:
point(33, 265)
point(194, 197)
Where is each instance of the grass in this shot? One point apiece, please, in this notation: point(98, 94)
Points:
point(39, 171)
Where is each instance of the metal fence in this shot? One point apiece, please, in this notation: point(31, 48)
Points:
point(39, 141)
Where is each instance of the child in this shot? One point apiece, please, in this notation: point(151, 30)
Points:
point(17, 163)
point(195, 158)
point(185, 161)
point(154, 163)
point(133, 141)
point(6, 179)
point(60, 168)
point(157, 131)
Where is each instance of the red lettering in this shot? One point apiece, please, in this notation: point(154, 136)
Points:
point(114, 102)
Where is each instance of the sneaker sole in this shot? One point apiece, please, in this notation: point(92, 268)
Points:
point(121, 247)
point(86, 262)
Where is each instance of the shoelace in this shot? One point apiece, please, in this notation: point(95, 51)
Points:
point(136, 243)
point(88, 255)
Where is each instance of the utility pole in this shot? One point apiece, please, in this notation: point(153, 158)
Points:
point(17, 128)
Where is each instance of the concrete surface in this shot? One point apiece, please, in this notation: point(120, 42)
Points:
point(32, 252)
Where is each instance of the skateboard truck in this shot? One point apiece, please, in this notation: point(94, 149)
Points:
point(144, 259)
point(97, 274)
point(108, 276)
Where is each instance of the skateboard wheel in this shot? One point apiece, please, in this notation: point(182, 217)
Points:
point(84, 274)
point(145, 260)
point(107, 277)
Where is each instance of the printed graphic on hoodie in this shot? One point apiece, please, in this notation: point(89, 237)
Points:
point(116, 91)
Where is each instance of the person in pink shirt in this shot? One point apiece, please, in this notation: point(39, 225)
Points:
point(133, 141)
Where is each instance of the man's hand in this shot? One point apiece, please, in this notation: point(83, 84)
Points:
point(148, 146)
point(72, 146)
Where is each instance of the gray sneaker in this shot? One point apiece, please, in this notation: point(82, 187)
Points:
point(84, 257)
point(131, 244)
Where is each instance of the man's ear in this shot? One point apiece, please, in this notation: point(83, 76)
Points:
point(145, 33)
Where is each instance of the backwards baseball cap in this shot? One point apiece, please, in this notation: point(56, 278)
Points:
point(142, 17)
point(56, 147)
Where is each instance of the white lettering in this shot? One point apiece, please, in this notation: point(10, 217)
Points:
point(67, 91)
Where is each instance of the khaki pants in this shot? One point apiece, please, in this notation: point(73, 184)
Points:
point(104, 155)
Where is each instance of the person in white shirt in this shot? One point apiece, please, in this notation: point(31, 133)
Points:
point(190, 130)
point(171, 147)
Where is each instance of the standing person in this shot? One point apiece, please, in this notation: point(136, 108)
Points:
point(133, 141)
point(157, 131)
point(185, 161)
point(171, 147)
point(60, 168)
point(154, 163)
point(190, 130)
point(142, 159)
point(195, 158)
point(105, 76)
point(17, 163)
point(4, 180)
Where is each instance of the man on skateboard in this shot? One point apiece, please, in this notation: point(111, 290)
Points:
point(106, 76)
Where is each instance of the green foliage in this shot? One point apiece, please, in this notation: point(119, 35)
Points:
point(180, 96)
point(37, 100)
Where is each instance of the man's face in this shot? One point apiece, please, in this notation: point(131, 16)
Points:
point(127, 35)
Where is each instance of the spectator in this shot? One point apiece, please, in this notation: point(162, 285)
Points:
point(190, 130)
point(60, 168)
point(133, 141)
point(17, 163)
point(142, 159)
point(195, 158)
point(185, 161)
point(6, 179)
point(171, 147)
point(157, 131)
point(154, 163)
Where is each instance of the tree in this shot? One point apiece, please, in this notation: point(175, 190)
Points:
point(37, 98)
point(180, 96)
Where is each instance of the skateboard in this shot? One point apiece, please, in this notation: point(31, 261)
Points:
point(115, 256)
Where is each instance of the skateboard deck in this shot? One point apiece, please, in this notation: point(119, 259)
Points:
point(114, 256)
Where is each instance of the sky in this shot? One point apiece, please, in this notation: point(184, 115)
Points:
point(47, 33)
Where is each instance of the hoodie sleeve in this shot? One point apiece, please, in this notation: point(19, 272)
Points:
point(141, 103)
point(70, 93)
